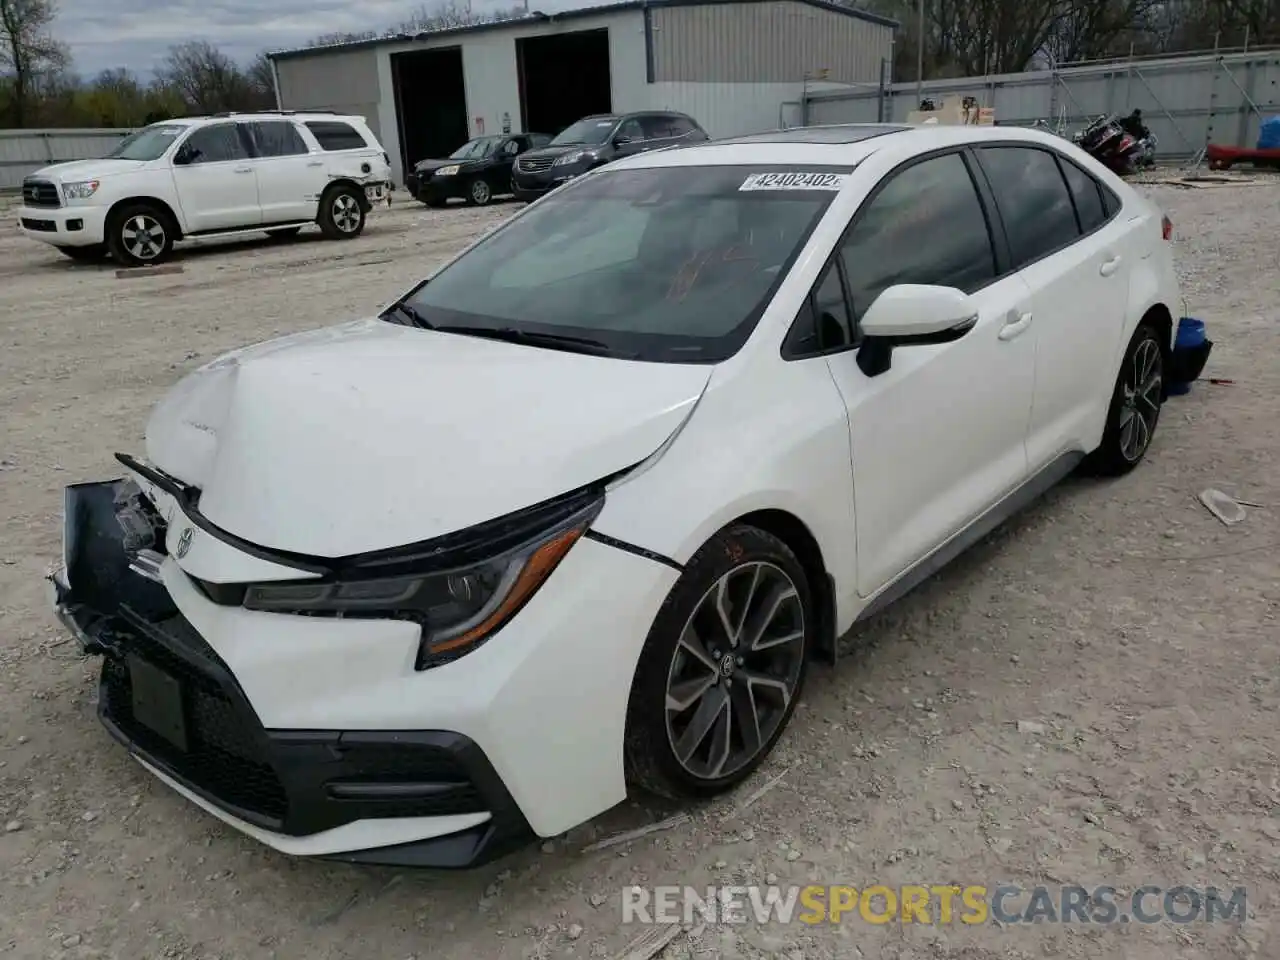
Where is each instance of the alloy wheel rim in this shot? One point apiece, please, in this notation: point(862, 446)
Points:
point(480, 191)
point(143, 237)
point(1144, 380)
point(346, 213)
point(735, 670)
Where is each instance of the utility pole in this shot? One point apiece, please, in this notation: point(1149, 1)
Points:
point(919, 53)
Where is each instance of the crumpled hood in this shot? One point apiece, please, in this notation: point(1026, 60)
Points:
point(76, 170)
point(373, 435)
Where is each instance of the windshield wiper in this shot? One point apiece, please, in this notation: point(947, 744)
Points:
point(410, 314)
point(556, 341)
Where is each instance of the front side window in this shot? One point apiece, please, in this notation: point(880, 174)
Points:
point(1034, 203)
point(669, 264)
point(277, 138)
point(149, 143)
point(632, 130)
point(215, 144)
point(926, 225)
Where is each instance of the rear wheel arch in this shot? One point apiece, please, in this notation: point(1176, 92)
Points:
point(347, 182)
point(1160, 319)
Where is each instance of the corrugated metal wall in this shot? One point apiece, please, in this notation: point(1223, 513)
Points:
point(1186, 101)
point(24, 151)
point(776, 42)
point(345, 82)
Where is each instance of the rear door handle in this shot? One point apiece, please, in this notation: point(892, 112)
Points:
point(315, 163)
point(1109, 266)
point(1015, 324)
point(244, 169)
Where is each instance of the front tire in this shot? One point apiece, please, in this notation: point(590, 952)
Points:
point(1135, 406)
point(479, 193)
point(722, 668)
point(140, 235)
point(342, 213)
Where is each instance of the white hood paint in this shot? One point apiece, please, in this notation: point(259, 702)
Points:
point(372, 435)
point(76, 171)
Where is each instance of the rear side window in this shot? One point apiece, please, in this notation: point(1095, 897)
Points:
point(657, 127)
point(277, 138)
point(1087, 193)
point(926, 225)
point(335, 135)
point(1110, 202)
point(1034, 202)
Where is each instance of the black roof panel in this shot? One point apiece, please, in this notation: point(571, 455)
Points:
point(839, 133)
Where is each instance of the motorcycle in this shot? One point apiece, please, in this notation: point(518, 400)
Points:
point(1123, 146)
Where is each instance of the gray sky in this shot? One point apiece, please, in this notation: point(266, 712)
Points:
point(137, 33)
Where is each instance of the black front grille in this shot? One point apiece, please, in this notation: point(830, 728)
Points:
point(226, 755)
point(535, 164)
point(40, 193)
point(43, 226)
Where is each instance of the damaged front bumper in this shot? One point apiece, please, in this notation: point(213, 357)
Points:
point(176, 705)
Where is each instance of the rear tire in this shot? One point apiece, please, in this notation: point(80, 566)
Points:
point(722, 668)
point(89, 254)
point(141, 235)
point(342, 213)
point(1135, 406)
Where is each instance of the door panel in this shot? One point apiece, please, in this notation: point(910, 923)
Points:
point(290, 177)
point(940, 436)
point(1079, 288)
point(218, 188)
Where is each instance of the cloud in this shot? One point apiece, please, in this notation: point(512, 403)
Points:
point(138, 33)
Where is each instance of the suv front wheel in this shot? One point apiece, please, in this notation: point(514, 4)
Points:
point(140, 235)
point(342, 213)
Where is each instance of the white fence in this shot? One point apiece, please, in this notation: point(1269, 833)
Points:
point(1187, 102)
point(23, 151)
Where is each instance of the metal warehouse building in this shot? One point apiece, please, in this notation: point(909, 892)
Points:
point(737, 66)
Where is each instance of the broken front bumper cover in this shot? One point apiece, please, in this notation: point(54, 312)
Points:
point(172, 701)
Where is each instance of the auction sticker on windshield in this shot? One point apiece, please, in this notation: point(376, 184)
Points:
point(795, 181)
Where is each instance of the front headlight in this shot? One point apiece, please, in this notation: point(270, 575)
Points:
point(448, 171)
point(458, 608)
point(82, 190)
point(566, 159)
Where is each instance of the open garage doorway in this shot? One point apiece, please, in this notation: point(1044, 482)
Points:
point(563, 77)
point(431, 103)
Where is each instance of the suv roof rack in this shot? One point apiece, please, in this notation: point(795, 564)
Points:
point(275, 113)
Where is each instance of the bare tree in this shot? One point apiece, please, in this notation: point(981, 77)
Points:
point(208, 80)
point(262, 81)
point(27, 49)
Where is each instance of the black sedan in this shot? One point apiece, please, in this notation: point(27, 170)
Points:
point(476, 172)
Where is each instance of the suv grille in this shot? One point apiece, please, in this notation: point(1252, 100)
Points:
point(40, 193)
point(535, 164)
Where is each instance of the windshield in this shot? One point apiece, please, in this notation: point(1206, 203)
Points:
point(475, 149)
point(149, 143)
point(592, 130)
point(671, 264)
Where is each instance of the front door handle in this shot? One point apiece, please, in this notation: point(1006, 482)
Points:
point(315, 163)
point(1015, 324)
point(244, 169)
point(1109, 266)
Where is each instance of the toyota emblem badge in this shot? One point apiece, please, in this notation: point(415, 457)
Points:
point(184, 543)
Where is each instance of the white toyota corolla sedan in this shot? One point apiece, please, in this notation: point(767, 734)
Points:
point(576, 512)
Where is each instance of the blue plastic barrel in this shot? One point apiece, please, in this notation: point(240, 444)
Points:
point(1189, 341)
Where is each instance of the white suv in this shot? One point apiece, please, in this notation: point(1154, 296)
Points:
point(210, 177)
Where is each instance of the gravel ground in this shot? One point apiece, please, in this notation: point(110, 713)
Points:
point(1132, 634)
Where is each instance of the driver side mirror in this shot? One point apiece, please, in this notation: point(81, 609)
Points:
point(621, 140)
point(912, 314)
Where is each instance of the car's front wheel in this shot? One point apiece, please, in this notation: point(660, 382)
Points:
point(1135, 406)
point(140, 235)
point(722, 668)
point(479, 193)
